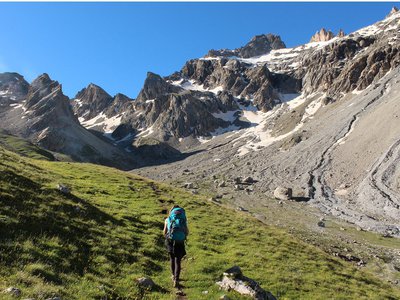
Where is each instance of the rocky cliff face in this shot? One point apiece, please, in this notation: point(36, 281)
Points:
point(44, 116)
point(210, 95)
point(13, 87)
point(91, 101)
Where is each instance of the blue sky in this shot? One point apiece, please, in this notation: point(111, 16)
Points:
point(115, 44)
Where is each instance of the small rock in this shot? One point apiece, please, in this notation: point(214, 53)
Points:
point(239, 208)
point(189, 185)
point(238, 187)
point(63, 188)
point(237, 180)
point(54, 298)
point(342, 229)
point(224, 297)
point(146, 282)
point(222, 184)
point(204, 292)
point(195, 192)
point(359, 229)
point(13, 291)
point(321, 224)
point(249, 180)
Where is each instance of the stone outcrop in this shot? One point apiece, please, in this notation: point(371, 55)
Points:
point(233, 279)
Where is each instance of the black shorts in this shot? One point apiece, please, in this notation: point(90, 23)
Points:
point(175, 248)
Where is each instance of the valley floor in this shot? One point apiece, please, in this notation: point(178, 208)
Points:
point(96, 240)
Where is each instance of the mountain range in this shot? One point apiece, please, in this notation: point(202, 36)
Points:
point(321, 118)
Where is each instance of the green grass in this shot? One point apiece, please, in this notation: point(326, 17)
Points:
point(23, 147)
point(94, 243)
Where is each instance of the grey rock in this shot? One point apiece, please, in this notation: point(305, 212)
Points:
point(283, 193)
point(146, 282)
point(13, 291)
point(321, 224)
point(63, 188)
point(233, 279)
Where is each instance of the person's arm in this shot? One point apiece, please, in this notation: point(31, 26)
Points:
point(165, 231)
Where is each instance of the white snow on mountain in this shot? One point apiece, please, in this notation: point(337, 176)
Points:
point(106, 124)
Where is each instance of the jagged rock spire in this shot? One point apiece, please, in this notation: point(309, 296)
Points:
point(322, 36)
point(341, 33)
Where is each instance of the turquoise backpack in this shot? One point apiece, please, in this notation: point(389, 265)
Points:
point(176, 223)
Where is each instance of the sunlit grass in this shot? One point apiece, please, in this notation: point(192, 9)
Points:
point(94, 243)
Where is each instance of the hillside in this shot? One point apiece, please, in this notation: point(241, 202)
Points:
point(94, 242)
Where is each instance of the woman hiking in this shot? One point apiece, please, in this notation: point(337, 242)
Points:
point(175, 232)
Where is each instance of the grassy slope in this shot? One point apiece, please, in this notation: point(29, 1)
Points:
point(93, 243)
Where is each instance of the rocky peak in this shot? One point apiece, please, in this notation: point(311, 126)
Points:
point(393, 11)
point(91, 101)
point(93, 93)
point(13, 85)
point(341, 33)
point(261, 44)
point(322, 36)
point(258, 45)
point(154, 86)
point(40, 88)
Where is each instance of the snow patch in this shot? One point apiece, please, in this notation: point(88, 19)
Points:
point(259, 137)
point(107, 124)
point(228, 116)
point(191, 85)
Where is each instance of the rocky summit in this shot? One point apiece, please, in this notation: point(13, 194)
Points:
point(319, 119)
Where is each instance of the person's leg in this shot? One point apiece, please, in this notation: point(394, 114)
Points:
point(172, 261)
point(178, 260)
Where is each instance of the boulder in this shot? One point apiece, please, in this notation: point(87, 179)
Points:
point(13, 291)
point(146, 282)
point(189, 185)
point(283, 193)
point(233, 279)
point(63, 188)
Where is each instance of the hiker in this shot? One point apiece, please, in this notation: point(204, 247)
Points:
point(175, 232)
